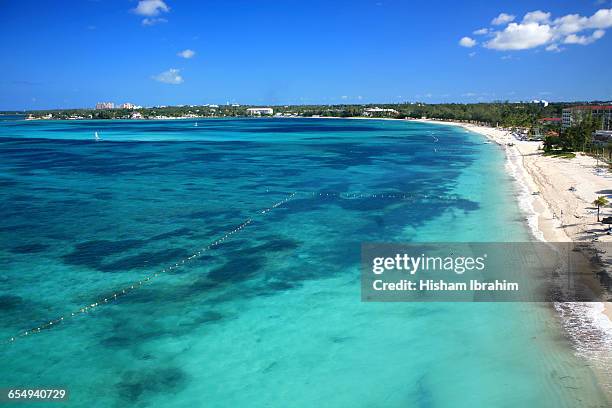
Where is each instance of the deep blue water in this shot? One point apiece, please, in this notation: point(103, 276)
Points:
point(272, 316)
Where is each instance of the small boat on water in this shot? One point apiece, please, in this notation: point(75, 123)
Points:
point(196, 124)
point(96, 137)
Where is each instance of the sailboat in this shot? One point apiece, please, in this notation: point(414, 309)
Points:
point(96, 137)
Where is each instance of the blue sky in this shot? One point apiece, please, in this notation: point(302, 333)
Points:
point(154, 52)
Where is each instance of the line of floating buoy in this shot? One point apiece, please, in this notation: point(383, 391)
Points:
point(385, 195)
point(148, 278)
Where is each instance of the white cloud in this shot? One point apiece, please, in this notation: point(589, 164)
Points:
point(576, 39)
point(171, 76)
point(601, 19)
point(467, 42)
point(538, 29)
point(583, 39)
point(186, 54)
point(471, 54)
point(572, 23)
point(151, 8)
point(537, 16)
point(152, 21)
point(598, 34)
point(521, 37)
point(482, 31)
point(503, 18)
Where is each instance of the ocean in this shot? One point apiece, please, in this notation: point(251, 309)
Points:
point(270, 316)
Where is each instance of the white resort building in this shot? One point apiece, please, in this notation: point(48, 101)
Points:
point(260, 111)
point(128, 105)
point(105, 105)
point(379, 111)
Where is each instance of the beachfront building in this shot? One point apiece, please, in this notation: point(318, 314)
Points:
point(105, 105)
point(574, 115)
point(550, 121)
point(547, 127)
point(379, 111)
point(128, 105)
point(540, 102)
point(260, 111)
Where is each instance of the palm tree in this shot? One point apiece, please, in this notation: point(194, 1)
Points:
point(601, 201)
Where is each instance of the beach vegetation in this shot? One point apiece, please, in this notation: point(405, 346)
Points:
point(599, 202)
point(574, 138)
point(564, 154)
point(505, 114)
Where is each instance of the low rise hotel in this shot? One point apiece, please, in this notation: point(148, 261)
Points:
point(105, 105)
point(260, 111)
point(575, 114)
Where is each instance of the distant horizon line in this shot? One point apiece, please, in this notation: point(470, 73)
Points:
point(320, 104)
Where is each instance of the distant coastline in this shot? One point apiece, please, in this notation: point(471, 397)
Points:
point(506, 114)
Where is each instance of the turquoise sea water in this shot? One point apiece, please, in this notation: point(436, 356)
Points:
point(272, 317)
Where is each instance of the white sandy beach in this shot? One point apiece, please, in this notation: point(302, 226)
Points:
point(556, 213)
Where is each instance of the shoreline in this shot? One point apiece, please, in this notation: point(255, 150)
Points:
point(554, 214)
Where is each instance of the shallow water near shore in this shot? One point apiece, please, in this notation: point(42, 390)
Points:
point(272, 317)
